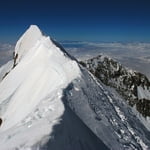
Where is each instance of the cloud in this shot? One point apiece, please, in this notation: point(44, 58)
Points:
point(132, 55)
point(6, 53)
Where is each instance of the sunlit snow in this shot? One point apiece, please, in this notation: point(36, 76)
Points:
point(33, 90)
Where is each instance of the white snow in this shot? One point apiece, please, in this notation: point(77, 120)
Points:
point(31, 104)
point(120, 114)
point(143, 93)
point(32, 91)
point(5, 69)
point(27, 41)
point(138, 139)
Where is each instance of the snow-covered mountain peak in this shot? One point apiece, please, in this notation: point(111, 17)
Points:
point(48, 102)
point(27, 41)
point(40, 69)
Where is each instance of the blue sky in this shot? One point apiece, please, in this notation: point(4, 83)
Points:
point(91, 20)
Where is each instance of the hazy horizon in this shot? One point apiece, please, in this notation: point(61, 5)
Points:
point(133, 55)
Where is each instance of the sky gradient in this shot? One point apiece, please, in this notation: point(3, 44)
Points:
point(93, 20)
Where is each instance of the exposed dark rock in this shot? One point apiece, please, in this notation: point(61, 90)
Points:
point(83, 64)
point(1, 121)
point(5, 75)
point(143, 106)
point(15, 56)
point(125, 81)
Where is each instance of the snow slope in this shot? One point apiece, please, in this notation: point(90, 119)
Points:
point(132, 85)
point(5, 69)
point(30, 94)
point(106, 114)
point(48, 101)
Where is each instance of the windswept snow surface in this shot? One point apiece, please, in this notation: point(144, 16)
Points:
point(106, 114)
point(5, 69)
point(49, 102)
point(143, 93)
point(30, 95)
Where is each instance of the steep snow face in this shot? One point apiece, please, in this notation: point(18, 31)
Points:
point(143, 92)
point(5, 69)
point(30, 94)
point(27, 41)
point(106, 114)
